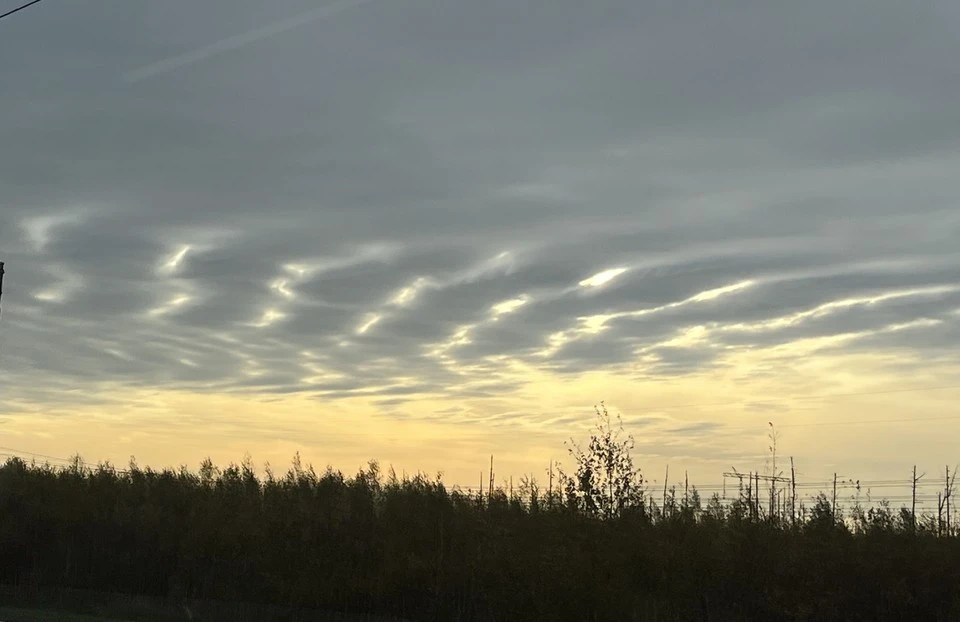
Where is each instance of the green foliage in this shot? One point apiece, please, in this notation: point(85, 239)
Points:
point(606, 483)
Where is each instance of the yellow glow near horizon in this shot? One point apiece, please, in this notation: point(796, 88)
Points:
point(170, 427)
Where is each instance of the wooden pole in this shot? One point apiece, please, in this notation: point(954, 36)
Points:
point(913, 501)
point(550, 487)
point(756, 496)
point(793, 493)
point(490, 487)
point(686, 491)
point(481, 484)
point(666, 476)
point(833, 505)
point(947, 499)
point(939, 513)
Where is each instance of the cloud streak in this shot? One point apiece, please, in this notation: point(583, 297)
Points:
point(239, 41)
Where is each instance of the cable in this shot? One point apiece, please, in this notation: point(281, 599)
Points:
point(870, 421)
point(33, 455)
point(806, 397)
point(19, 8)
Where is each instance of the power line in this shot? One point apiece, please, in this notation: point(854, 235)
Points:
point(740, 428)
point(19, 8)
point(865, 421)
point(825, 396)
point(32, 454)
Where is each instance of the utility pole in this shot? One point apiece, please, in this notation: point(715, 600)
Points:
point(550, 488)
point(1, 281)
point(756, 497)
point(947, 494)
point(833, 506)
point(666, 477)
point(793, 494)
point(773, 454)
point(490, 487)
point(939, 514)
point(913, 501)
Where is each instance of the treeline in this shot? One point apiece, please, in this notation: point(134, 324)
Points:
point(593, 549)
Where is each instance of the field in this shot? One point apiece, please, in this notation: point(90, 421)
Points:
point(38, 615)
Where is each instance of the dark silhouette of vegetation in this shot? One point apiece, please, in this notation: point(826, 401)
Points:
point(596, 548)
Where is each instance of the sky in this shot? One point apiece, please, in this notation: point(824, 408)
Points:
point(428, 231)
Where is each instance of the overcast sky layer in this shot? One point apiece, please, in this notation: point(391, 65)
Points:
point(430, 230)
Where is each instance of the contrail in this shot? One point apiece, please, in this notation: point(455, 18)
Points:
point(238, 41)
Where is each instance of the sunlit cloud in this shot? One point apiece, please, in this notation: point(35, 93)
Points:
point(123, 356)
point(508, 306)
point(460, 337)
point(282, 287)
point(269, 318)
point(68, 284)
point(713, 294)
point(502, 263)
point(320, 375)
point(408, 294)
point(555, 341)
point(836, 306)
point(171, 264)
point(40, 229)
point(689, 337)
point(594, 324)
point(370, 322)
point(602, 278)
point(173, 304)
point(369, 253)
point(914, 324)
point(299, 270)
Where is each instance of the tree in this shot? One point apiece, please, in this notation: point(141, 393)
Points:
point(606, 483)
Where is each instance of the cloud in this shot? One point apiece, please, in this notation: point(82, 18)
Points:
point(457, 204)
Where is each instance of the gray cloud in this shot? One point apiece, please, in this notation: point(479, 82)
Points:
point(231, 224)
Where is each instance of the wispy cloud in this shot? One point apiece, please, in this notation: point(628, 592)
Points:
point(238, 41)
